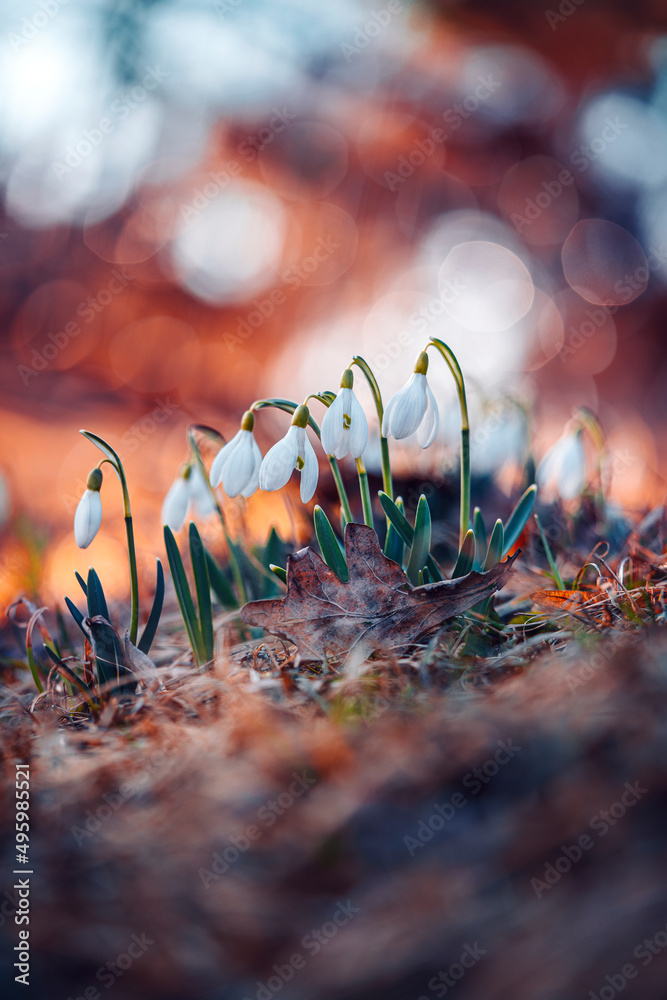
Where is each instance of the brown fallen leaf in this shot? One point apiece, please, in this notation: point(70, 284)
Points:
point(377, 607)
point(560, 600)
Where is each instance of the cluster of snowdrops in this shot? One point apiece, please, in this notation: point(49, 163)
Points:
point(240, 469)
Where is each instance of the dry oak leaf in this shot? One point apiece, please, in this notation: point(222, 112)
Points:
point(377, 607)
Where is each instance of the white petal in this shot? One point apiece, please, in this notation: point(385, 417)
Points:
point(253, 483)
point(280, 461)
point(222, 458)
point(409, 408)
point(88, 518)
point(549, 467)
point(386, 416)
point(428, 428)
point(200, 493)
point(239, 467)
point(176, 503)
point(564, 467)
point(332, 424)
point(358, 428)
point(572, 474)
point(343, 448)
point(310, 471)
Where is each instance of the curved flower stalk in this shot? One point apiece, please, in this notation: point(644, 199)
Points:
point(236, 466)
point(344, 425)
point(189, 490)
point(112, 458)
point(379, 408)
point(563, 467)
point(293, 451)
point(455, 369)
point(88, 516)
point(413, 408)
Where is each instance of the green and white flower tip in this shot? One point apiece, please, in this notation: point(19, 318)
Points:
point(190, 489)
point(294, 451)
point(563, 468)
point(344, 426)
point(88, 516)
point(236, 466)
point(413, 408)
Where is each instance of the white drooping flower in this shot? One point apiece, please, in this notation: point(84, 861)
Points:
point(189, 490)
point(344, 426)
point(563, 468)
point(237, 464)
point(294, 451)
point(413, 408)
point(88, 516)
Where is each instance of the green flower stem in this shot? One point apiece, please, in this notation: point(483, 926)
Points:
point(289, 407)
point(342, 492)
point(113, 459)
point(587, 419)
point(365, 492)
point(457, 374)
point(233, 561)
point(387, 484)
point(550, 559)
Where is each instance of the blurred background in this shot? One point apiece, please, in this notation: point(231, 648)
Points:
point(204, 203)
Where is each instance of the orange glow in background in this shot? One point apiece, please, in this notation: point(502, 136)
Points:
point(238, 233)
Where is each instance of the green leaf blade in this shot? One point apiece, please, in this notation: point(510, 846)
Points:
point(97, 604)
point(329, 545)
point(421, 541)
point(495, 549)
point(184, 597)
point(518, 519)
point(151, 625)
point(481, 539)
point(466, 556)
point(202, 589)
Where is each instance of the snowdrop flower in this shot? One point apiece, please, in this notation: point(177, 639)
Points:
point(237, 464)
point(563, 468)
point(344, 427)
point(88, 516)
point(413, 408)
point(189, 490)
point(294, 451)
